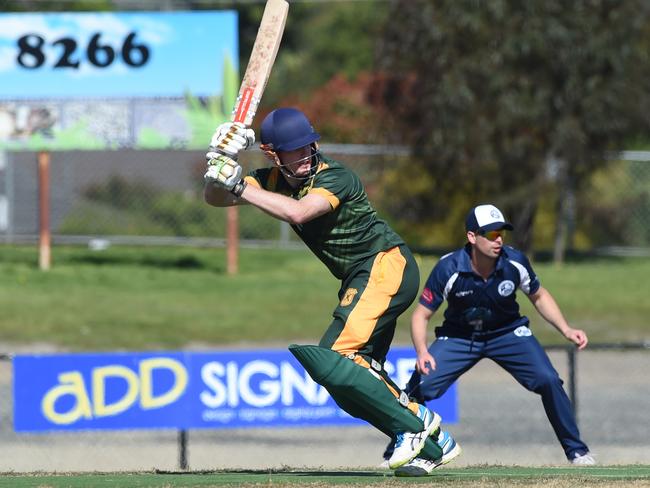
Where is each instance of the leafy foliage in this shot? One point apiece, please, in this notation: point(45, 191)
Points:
point(341, 110)
point(324, 66)
point(499, 97)
point(55, 6)
point(122, 207)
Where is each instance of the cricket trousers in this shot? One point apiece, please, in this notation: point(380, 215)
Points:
point(370, 301)
point(521, 355)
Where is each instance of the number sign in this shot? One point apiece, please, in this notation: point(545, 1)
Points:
point(108, 80)
point(139, 54)
point(100, 55)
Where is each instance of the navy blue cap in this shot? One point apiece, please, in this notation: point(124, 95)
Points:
point(486, 217)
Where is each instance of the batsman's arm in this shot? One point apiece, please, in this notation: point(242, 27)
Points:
point(279, 206)
point(220, 197)
point(286, 208)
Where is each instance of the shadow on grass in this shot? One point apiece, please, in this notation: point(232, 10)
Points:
point(180, 262)
point(287, 472)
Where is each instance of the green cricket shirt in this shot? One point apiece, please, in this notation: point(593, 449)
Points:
point(351, 232)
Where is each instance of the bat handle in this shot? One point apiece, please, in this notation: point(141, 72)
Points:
point(217, 150)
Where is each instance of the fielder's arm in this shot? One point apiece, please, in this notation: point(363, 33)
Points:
point(419, 322)
point(548, 308)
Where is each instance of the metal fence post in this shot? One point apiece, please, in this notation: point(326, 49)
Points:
point(571, 352)
point(4, 195)
point(182, 449)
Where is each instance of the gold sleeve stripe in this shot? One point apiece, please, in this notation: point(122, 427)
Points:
point(252, 181)
point(334, 202)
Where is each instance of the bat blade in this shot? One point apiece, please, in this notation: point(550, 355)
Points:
point(260, 63)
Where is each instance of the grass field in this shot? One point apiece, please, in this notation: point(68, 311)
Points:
point(482, 476)
point(170, 298)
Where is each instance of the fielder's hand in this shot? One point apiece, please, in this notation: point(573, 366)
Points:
point(425, 363)
point(229, 139)
point(578, 337)
point(223, 171)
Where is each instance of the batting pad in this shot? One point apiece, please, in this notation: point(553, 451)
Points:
point(356, 390)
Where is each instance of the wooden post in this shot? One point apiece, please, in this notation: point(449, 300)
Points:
point(44, 250)
point(232, 239)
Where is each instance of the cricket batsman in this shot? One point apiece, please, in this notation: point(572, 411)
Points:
point(326, 205)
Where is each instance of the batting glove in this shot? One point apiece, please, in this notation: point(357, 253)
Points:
point(229, 139)
point(224, 172)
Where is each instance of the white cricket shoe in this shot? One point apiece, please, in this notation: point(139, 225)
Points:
point(422, 467)
point(409, 444)
point(585, 459)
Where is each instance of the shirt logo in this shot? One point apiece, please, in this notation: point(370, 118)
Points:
point(348, 296)
point(464, 293)
point(506, 288)
point(523, 331)
point(427, 295)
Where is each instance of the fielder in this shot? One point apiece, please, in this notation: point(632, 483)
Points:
point(327, 206)
point(482, 320)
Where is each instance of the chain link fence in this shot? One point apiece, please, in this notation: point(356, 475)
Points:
point(155, 197)
point(499, 423)
point(140, 197)
point(614, 207)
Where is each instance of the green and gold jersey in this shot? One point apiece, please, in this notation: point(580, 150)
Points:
point(351, 232)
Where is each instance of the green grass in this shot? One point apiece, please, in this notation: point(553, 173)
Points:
point(481, 476)
point(169, 298)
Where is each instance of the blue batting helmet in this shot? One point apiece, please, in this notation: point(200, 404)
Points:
point(287, 129)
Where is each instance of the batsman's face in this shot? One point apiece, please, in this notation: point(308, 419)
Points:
point(298, 161)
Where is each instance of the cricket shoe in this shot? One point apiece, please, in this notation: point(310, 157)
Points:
point(422, 467)
point(390, 447)
point(585, 459)
point(409, 444)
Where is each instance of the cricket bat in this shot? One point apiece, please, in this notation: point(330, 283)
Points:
point(261, 61)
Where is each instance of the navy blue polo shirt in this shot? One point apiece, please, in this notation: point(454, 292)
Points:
point(476, 306)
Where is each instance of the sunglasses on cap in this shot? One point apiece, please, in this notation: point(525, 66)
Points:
point(492, 235)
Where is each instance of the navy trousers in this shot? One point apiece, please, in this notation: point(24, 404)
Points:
point(521, 355)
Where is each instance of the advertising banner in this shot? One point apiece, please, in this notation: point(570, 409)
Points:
point(82, 80)
point(182, 390)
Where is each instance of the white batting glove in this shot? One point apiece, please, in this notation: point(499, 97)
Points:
point(229, 139)
point(223, 171)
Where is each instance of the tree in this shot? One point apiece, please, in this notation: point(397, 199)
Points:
point(324, 41)
point(497, 96)
point(54, 6)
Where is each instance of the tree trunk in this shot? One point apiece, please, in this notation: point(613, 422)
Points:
point(523, 224)
point(565, 212)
